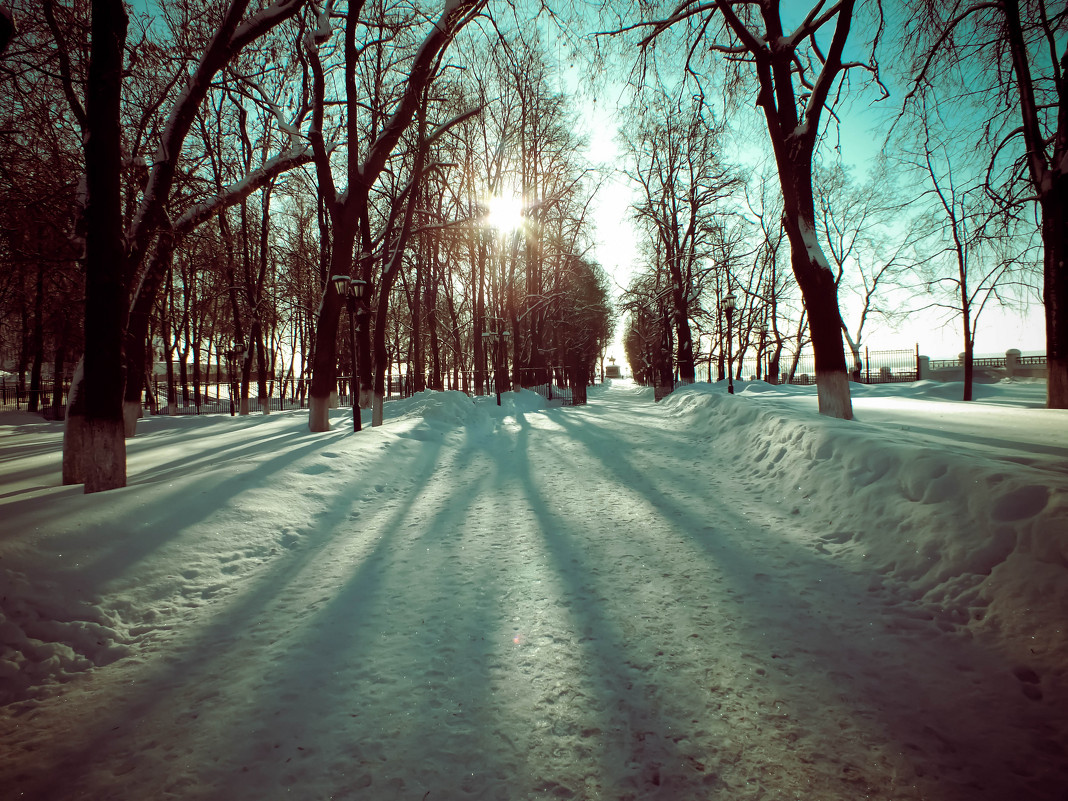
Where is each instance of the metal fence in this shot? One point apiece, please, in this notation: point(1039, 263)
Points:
point(550, 383)
point(875, 367)
point(995, 361)
point(888, 367)
point(213, 398)
point(17, 396)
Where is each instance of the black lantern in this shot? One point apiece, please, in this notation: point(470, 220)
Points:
point(352, 289)
point(728, 307)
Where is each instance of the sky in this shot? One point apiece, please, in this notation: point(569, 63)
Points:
point(714, 596)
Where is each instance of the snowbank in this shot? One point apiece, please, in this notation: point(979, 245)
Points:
point(976, 531)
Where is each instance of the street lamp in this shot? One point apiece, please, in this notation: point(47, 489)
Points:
point(230, 358)
point(763, 354)
point(728, 306)
point(353, 290)
point(237, 382)
point(495, 341)
point(492, 338)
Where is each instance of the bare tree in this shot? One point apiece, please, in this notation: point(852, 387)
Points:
point(869, 244)
point(798, 74)
point(90, 453)
point(349, 211)
point(969, 237)
point(1015, 52)
point(675, 153)
point(40, 200)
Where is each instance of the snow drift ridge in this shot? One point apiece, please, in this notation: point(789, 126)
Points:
point(982, 543)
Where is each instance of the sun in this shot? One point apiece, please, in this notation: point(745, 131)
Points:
point(505, 212)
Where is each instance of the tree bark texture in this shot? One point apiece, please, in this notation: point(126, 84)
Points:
point(1055, 291)
point(94, 432)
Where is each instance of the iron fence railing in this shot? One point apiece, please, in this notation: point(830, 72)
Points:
point(874, 367)
point(20, 397)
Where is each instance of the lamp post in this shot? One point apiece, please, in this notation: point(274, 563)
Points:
point(239, 379)
point(492, 338)
point(502, 357)
point(352, 290)
point(230, 354)
point(495, 340)
point(728, 307)
point(761, 367)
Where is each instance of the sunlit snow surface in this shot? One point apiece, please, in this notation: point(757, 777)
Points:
point(712, 597)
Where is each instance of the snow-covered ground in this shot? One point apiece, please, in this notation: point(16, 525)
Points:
point(712, 597)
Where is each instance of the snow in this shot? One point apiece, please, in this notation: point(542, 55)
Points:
point(715, 596)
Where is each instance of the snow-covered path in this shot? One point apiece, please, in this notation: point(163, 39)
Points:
point(566, 603)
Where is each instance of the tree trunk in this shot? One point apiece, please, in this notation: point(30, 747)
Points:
point(37, 346)
point(263, 392)
point(183, 374)
point(683, 337)
point(94, 445)
point(969, 336)
point(324, 364)
point(437, 380)
point(1055, 291)
point(195, 348)
point(774, 363)
point(480, 320)
point(381, 357)
point(816, 281)
point(417, 368)
point(57, 370)
point(137, 337)
point(246, 370)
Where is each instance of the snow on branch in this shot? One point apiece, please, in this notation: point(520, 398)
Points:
point(238, 191)
point(323, 28)
point(259, 24)
point(290, 128)
point(232, 36)
point(444, 127)
point(811, 24)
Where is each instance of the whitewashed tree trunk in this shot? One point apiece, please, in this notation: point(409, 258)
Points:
point(376, 412)
point(318, 414)
point(131, 413)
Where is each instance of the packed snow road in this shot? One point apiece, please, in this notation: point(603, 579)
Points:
point(588, 603)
